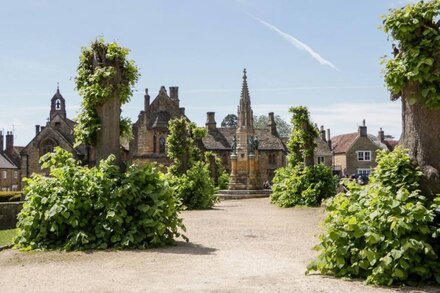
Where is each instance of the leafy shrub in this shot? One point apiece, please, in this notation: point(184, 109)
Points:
point(97, 208)
point(301, 185)
point(384, 231)
point(223, 180)
point(195, 187)
point(10, 196)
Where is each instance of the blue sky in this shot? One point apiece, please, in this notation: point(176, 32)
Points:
point(202, 46)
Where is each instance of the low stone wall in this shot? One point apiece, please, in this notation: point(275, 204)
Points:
point(8, 214)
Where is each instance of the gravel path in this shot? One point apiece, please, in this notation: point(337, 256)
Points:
point(240, 246)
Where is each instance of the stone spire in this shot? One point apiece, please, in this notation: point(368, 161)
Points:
point(245, 113)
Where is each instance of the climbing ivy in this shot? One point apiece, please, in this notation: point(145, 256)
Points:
point(302, 139)
point(103, 73)
point(416, 32)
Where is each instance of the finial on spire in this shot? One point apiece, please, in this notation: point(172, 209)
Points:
point(244, 73)
point(58, 87)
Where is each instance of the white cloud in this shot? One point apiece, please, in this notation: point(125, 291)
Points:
point(297, 43)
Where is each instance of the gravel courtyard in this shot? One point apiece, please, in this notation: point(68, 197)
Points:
point(245, 246)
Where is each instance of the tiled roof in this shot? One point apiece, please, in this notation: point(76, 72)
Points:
point(160, 120)
point(342, 143)
point(5, 163)
point(221, 138)
point(391, 144)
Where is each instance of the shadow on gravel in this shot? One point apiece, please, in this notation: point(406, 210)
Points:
point(186, 248)
point(425, 289)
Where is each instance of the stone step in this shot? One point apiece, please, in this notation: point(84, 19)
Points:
point(243, 194)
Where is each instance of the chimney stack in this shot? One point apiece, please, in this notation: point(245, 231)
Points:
point(329, 139)
point(272, 124)
point(381, 135)
point(37, 130)
point(363, 129)
point(146, 100)
point(322, 131)
point(182, 110)
point(1, 142)
point(210, 121)
point(9, 144)
point(174, 93)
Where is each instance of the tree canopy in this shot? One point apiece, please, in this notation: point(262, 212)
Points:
point(230, 121)
point(416, 31)
point(283, 127)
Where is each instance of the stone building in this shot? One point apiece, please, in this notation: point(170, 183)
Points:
point(151, 129)
point(58, 131)
point(266, 158)
point(9, 164)
point(355, 153)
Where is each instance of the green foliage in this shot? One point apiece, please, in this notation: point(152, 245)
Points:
point(195, 187)
point(383, 232)
point(299, 185)
point(103, 73)
point(10, 196)
point(223, 180)
point(97, 208)
point(182, 147)
point(414, 28)
point(188, 173)
point(7, 237)
point(221, 177)
point(284, 129)
point(230, 121)
point(301, 143)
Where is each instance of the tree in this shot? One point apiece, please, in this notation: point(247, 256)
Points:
point(283, 127)
point(188, 173)
point(413, 75)
point(230, 121)
point(302, 139)
point(105, 80)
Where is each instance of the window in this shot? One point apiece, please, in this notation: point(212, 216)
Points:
point(47, 146)
point(320, 159)
point(364, 172)
point(15, 174)
point(58, 104)
point(57, 124)
point(162, 145)
point(272, 158)
point(4, 174)
point(364, 155)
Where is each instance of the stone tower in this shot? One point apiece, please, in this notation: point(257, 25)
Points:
point(244, 157)
point(57, 105)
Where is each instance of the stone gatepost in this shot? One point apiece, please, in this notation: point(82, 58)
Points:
point(233, 169)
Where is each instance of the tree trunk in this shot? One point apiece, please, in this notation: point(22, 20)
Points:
point(107, 142)
point(421, 136)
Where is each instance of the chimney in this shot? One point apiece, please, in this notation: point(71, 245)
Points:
point(381, 135)
point(9, 144)
point(272, 125)
point(146, 100)
point(363, 129)
point(322, 131)
point(182, 110)
point(329, 139)
point(1, 143)
point(174, 93)
point(210, 121)
point(37, 130)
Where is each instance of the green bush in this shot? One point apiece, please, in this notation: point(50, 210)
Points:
point(6, 196)
point(383, 232)
point(195, 187)
point(97, 208)
point(223, 180)
point(300, 185)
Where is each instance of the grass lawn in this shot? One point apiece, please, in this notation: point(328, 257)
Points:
point(6, 236)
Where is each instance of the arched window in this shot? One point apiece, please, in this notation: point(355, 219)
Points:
point(58, 104)
point(154, 144)
point(47, 146)
point(162, 145)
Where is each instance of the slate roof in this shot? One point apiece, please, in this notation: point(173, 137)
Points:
point(160, 120)
point(5, 163)
point(221, 138)
point(391, 144)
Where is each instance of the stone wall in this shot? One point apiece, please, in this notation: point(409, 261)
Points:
point(8, 214)
point(361, 144)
